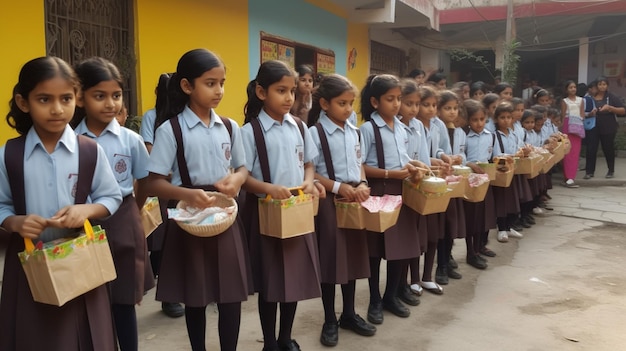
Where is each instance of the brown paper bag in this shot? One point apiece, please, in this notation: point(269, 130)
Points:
point(476, 194)
point(349, 215)
point(287, 218)
point(424, 203)
point(529, 165)
point(548, 164)
point(503, 179)
point(64, 269)
point(457, 189)
point(380, 221)
point(151, 215)
point(489, 168)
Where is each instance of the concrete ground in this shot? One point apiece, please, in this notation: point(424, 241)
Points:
point(561, 287)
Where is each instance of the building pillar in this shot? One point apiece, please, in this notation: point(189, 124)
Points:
point(583, 60)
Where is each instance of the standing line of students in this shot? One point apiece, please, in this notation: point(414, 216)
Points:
point(190, 151)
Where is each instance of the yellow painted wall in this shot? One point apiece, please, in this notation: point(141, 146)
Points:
point(165, 30)
point(358, 38)
point(23, 37)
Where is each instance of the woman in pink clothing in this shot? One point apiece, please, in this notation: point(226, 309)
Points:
point(572, 113)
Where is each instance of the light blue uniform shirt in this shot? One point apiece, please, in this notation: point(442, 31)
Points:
point(394, 143)
point(352, 119)
point(147, 126)
point(345, 150)
point(208, 150)
point(437, 138)
point(460, 142)
point(286, 151)
point(548, 129)
point(490, 125)
point(50, 181)
point(479, 146)
point(519, 130)
point(531, 137)
point(417, 147)
point(125, 150)
point(510, 142)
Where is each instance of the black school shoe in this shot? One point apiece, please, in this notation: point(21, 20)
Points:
point(172, 309)
point(292, 345)
point(517, 226)
point(453, 274)
point(396, 307)
point(357, 325)
point(476, 262)
point(441, 275)
point(375, 313)
point(330, 334)
point(405, 294)
point(452, 263)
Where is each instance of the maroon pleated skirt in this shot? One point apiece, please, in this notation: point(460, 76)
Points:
point(283, 270)
point(130, 254)
point(455, 219)
point(506, 200)
point(401, 241)
point(343, 252)
point(83, 323)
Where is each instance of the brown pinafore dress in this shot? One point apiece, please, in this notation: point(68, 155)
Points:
point(455, 213)
point(344, 255)
point(284, 270)
point(401, 241)
point(82, 324)
point(199, 270)
point(506, 199)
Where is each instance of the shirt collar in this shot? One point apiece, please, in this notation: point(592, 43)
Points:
point(474, 134)
point(67, 140)
point(330, 127)
point(380, 122)
point(192, 120)
point(268, 122)
point(113, 127)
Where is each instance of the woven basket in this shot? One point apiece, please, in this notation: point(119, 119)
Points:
point(208, 230)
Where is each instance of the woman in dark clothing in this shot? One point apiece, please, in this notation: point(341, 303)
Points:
point(609, 106)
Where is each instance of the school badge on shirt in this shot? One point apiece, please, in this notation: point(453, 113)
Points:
point(72, 180)
point(300, 154)
point(121, 167)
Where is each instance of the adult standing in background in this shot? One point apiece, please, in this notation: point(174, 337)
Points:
point(608, 107)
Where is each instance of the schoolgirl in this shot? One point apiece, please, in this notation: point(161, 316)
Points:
point(74, 172)
point(507, 200)
point(504, 91)
point(478, 90)
point(536, 184)
point(516, 116)
point(304, 89)
point(100, 102)
point(343, 252)
point(432, 225)
point(386, 164)
point(202, 151)
point(490, 101)
point(279, 154)
point(418, 150)
point(448, 112)
point(480, 216)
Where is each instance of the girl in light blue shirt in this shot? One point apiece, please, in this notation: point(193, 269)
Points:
point(279, 155)
point(387, 164)
point(46, 199)
point(203, 152)
point(101, 101)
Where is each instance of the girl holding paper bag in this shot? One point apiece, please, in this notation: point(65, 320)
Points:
point(100, 102)
point(41, 108)
point(200, 149)
point(387, 164)
point(279, 153)
point(343, 252)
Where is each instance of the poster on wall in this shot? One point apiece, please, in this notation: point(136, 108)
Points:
point(325, 63)
point(269, 51)
point(613, 68)
point(287, 54)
